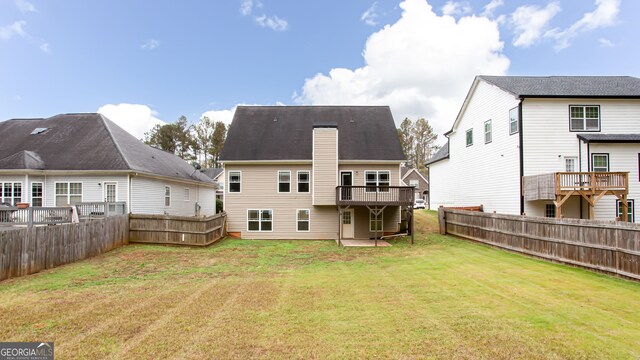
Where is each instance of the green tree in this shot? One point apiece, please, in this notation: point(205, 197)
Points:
point(203, 137)
point(425, 143)
point(174, 137)
point(217, 142)
point(406, 136)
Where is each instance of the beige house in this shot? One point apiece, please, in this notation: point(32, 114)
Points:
point(314, 172)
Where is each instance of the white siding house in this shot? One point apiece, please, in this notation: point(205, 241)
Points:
point(540, 125)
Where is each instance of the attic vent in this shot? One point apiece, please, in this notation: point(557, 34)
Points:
point(39, 131)
point(275, 119)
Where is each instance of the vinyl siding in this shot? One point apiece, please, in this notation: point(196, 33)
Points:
point(481, 174)
point(325, 163)
point(147, 197)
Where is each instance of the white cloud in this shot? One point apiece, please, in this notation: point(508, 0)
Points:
point(452, 8)
point(25, 6)
point(530, 22)
point(45, 48)
point(271, 22)
point(604, 15)
point(246, 7)
point(422, 66)
point(134, 118)
point(371, 15)
point(491, 7)
point(150, 44)
point(606, 42)
point(220, 115)
point(15, 29)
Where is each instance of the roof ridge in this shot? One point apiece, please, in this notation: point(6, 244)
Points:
point(115, 143)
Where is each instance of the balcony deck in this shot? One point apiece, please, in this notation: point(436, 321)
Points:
point(375, 195)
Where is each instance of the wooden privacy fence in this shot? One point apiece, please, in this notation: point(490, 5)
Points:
point(177, 230)
point(612, 247)
point(28, 250)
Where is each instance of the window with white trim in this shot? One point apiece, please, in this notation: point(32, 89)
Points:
point(235, 181)
point(630, 210)
point(514, 121)
point(550, 210)
point(570, 163)
point(600, 162)
point(377, 179)
point(36, 194)
point(469, 137)
point(187, 194)
point(167, 196)
point(414, 183)
point(259, 220)
point(488, 132)
point(11, 193)
point(303, 181)
point(375, 221)
point(68, 193)
point(284, 181)
point(302, 220)
point(584, 118)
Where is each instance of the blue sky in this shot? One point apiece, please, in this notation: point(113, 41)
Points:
point(141, 62)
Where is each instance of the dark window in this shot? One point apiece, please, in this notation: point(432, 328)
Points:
point(303, 181)
point(469, 137)
point(36, 194)
point(550, 211)
point(488, 133)
point(259, 220)
point(284, 181)
point(303, 220)
point(235, 180)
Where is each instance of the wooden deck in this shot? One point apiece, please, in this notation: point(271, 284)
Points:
point(375, 195)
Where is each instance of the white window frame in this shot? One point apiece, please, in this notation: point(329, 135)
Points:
point(630, 211)
point(377, 172)
point(11, 197)
point(466, 137)
point(488, 133)
point(573, 159)
point(381, 221)
point(298, 181)
point(416, 182)
point(186, 195)
point(41, 197)
point(593, 156)
point(167, 197)
point(232, 182)
point(104, 189)
point(260, 211)
point(514, 120)
point(584, 118)
point(308, 221)
point(55, 191)
point(284, 182)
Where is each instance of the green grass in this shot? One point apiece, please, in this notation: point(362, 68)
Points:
point(441, 298)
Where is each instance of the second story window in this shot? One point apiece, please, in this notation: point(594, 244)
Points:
point(284, 181)
point(380, 178)
point(487, 132)
point(469, 137)
point(514, 121)
point(303, 181)
point(235, 181)
point(600, 162)
point(570, 164)
point(414, 183)
point(584, 118)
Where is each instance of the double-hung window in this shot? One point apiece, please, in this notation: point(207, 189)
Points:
point(68, 193)
point(36, 194)
point(302, 220)
point(187, 194)
point(259, 220)
point(600, 162)
point(630, 210)
point(11, 193)
point(377, 179)
point(469, 137)
point(235, 180)
point(167, 196)
point(584, 118)
point(550, 210)
point(514, 121)
point(414, 183)
point(570, 163)
point(284, 181)
point(488, 136)
point(375, 221)
point(303, 181)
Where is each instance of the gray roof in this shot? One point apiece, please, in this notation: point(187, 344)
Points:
point(212, 172)
point(442, 154)
point(78, 142)
point(285, 132)
point(567, 86)
point(610, 138)
point(403, 171)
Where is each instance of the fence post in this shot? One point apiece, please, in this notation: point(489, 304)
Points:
point(106, 209)
point(30, 216)
point(442, 221)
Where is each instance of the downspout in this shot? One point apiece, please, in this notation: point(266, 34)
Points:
point(26, 190)
point(521, 142)
point(580, 169)
point(588, 169)
point(130, 180)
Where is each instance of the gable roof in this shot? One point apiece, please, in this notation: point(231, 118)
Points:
point(567, 86)
point(442, 154)
point(610, 138)
point(286, 132)
point(213, 173)
point(409, 171)
point(79, 142)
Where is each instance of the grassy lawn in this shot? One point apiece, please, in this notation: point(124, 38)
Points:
point(440, 298)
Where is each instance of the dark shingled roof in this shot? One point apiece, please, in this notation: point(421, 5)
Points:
point(610, 138)
point(212, 172)
point(442, 154)
point(567, 86)
point(285, 132)
point(84, 142)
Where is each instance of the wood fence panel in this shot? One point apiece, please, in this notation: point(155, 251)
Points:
point(177, 230)
point(612, 247)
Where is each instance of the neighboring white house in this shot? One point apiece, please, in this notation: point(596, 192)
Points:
point(74, 158)
point(512, 128)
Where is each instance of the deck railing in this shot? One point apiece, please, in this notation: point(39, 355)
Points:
point(11, 216)
point(591, 181)
point(101, 209)
point(375, 195)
